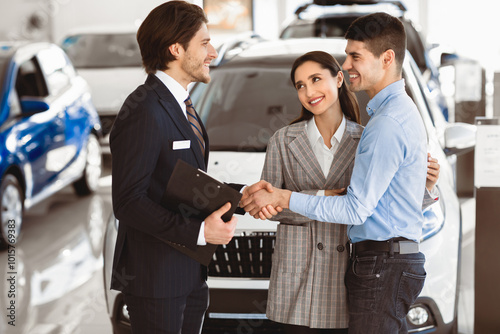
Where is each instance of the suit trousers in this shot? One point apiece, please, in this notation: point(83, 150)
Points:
point(176, 315)
point(381, 288)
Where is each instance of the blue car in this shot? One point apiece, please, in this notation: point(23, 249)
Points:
point(49, 131)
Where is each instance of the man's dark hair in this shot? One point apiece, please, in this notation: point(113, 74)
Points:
point(380, 32)
point(169, 23)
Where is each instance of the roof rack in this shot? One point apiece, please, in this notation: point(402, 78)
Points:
point(396, 3)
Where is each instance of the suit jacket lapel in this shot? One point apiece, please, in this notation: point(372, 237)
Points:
point(301, 149)
point(344, 154)
point(173, 109)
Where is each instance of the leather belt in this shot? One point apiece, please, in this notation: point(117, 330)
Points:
point(394, 245)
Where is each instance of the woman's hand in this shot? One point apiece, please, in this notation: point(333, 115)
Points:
point(335, 192)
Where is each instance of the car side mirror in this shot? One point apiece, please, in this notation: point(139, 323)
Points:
point(31, 105)
point(448, 58)
point(459, 138)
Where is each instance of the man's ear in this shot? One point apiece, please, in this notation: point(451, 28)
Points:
point(176, 50)
point(388, 58)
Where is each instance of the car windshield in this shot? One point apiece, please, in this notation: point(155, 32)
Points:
point(243, 107)
point(322, 27)
point(103, 50)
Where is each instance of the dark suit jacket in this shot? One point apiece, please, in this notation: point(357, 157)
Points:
point(143, 158)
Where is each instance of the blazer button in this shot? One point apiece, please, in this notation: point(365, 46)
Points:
point(320, 246)
point(340, 248)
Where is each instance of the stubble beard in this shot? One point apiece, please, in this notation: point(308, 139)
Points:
point(353, 88)
point(195, 71)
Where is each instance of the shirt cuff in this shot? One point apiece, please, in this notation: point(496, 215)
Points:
point(298, 203)
point(201, 236)
point(320, 193)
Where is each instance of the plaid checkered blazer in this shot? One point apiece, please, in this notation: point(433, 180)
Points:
point(310, 257)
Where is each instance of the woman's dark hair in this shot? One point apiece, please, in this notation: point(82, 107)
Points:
point(169, 23)
point(348, 101)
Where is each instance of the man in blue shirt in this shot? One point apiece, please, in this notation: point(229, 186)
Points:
point(383, 204)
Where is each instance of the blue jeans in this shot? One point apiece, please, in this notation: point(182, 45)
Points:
point(381, 288)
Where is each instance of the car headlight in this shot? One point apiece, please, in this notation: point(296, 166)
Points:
point(420, 318)
point(418, 315)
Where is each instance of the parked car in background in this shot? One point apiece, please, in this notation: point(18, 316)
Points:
point(49, 131)
point(110, 60)
point(331, 18)
point(251, 96)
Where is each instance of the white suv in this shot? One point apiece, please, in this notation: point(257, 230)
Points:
point(249, 97)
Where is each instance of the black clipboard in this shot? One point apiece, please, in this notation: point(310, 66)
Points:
point(195, 194)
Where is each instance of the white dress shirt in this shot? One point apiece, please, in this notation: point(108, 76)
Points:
point(323, 154)
point(180, 95)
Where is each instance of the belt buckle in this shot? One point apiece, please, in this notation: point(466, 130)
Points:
point(351, 249)
point(408, 247)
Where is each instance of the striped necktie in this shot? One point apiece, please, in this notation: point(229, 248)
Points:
point(195, 124)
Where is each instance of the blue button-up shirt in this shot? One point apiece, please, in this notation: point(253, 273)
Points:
point(384, 198)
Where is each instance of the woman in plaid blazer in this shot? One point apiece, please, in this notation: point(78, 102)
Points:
point(313, 154)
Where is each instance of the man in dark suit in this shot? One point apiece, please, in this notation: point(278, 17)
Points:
point(164, 289)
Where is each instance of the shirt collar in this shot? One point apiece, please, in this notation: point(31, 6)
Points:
point(179, 93)
point(375, 103)
point(312, 131)
point(340, 131)
point(314, 135)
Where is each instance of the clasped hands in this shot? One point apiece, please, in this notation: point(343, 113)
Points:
point(263, 201)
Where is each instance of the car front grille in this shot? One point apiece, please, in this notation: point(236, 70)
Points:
point(245, 256)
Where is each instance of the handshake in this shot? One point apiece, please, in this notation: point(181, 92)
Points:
point(261, 200)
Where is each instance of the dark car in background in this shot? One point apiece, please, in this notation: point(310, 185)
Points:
point(331, 18)
point(249, 97)
point(49, 131)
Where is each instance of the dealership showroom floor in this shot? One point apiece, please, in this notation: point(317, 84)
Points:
point(59, 259)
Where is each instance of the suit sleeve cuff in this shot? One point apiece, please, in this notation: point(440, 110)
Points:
point(201, 235)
